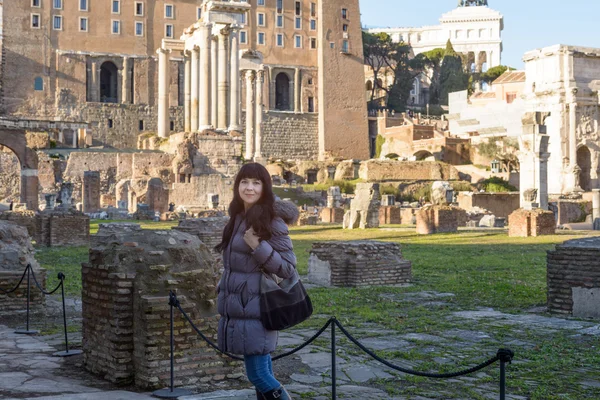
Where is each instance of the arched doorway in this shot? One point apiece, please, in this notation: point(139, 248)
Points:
point(584, 160)
point(16, 141)
point(108, 83)
point(282, 92)
point(424, 155)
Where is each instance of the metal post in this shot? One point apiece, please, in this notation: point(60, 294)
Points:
point(67, 352)
point(26, 331)
point(171, 392)
point(502, 380)
point(333, 364)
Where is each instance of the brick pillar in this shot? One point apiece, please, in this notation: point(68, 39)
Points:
point(91, 191)
point(158, 196)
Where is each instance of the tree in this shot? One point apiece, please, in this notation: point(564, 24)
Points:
point(504, 150)
point(494, 73)
point(376, 48)
point(434, 58)
point(452, 75)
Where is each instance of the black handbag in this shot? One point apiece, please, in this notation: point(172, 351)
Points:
point(285, 304)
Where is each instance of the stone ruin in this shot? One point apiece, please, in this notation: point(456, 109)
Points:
point(16, 252)
point(438, 219)
point(208, 230)
point(357, 263)
point(333, 213)
point(389, 212)
point(536, 222)
point(126, 284)
point(364, 208)
point(573, 276)
point(442, 193)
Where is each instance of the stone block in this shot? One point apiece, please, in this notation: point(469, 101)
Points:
point(536, 222)
point(332, 215)
point(437, 219)
point(389, 215)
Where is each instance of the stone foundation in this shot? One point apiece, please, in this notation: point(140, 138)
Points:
point(573, 276)
point(208, 230)
point(357, 263)
point(62, 228)
point(126, 312)
point(332, 215)
point(525, 223)
point(408, 216)
point(438, 219)
point(499, 204)
point(389, 215)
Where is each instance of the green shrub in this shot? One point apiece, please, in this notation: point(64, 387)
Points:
point(391, 190)
point(496, 184)
point(378, 145)
point(392, 156)
point(52, 143)
point(461, 186)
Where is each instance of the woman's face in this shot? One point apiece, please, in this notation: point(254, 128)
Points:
point(250, 191)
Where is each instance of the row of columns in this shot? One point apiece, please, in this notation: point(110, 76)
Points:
point(254, 113)
point(124, 79)
point(212, 82)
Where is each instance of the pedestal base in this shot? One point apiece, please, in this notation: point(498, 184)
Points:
point(67, 353)
point(26, 332)
point(168, 394)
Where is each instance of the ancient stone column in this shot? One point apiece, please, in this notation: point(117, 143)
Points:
point(163, 92)
point(195, 87)
point(272, 89)
point(250, 77)
point(91, 191)
point(223, 80)
point(297, 94)
point(157, 196)
point(214, 93)
point(187, 91)
point(95, 85)
point(205, 74)
point(125, 82)
point(29, 188)
point(234, 99)
point(596, 209)
point(260, 78)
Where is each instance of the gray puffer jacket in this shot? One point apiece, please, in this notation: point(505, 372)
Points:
point(240, 329)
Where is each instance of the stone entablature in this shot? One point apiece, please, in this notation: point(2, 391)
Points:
point(573, 275)
point(357, 263)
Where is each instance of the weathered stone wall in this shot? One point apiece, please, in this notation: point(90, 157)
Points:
point(572, 211)
point(537, 222)
point(193, 195)
point(438, 219)
point(390, 170)
point(499, 204)
point(573, 276)
point(333, 215)
point(389, 215)
point(25, 218)
point(10, 176)
point(62, 228)
point(208, 230)
point(357, 263)
point(126, 313)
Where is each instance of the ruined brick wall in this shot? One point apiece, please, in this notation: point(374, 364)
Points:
point(537, 222)
point(390, 170)
point(499, 204)
point(10, 176)
point(358, 263)
point(573, 277)
point(193, 195)
point(389, 215)
point(332, 215)
point(438, 219)
point(62, 228)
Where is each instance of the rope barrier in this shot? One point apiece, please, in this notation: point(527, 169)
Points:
point(18, 284)
point(503, 355)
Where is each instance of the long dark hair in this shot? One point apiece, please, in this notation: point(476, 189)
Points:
point(260, 215)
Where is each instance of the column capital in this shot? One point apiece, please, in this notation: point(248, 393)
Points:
point(186, 53)
point(250, 75)
point(260, 75)
point(225, 31)
point(195, 48)
point(160, 50)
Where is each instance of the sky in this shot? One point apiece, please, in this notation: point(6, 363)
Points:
point(528, 24)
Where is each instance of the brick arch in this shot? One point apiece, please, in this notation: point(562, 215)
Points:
point(17, 142)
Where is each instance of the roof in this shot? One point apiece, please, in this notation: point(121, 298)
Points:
point(483, 95)
point(510, 77)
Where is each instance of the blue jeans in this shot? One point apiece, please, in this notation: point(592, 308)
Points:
point(259, 370)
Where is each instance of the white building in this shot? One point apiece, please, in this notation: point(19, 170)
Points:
point(473, 30)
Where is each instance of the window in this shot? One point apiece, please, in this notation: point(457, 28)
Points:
point(313, 24)
point(260, 17)
point(38, 84)
point(345, 46)
point(110, 123)
point(280, 40)
point(510, 97)
point(116, 27)
point(198, 12)
point(83, 5)
point(58, 4)
point(332, 45)
point(311, 104)
point(243, 37)
point(345, 13)
point(57, 24)
point(35, 21)
point(279, 21)
point(116, 6)
point(261, 2)
point(169, 31)
point(141, 125)
point(83, 24)
point(172, 125)
point(279, 6)
point(345, 27)
point(298, 23)
point(313, 9)
point(168, 10)
point(310, 81)
point(298, 8)
point(261, 38)
point(36, 3)
point(139, 29)
point(139, 9)
point(298, 41)
point(243, 18)
point(313, 43)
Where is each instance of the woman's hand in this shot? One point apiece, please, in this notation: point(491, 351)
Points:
point(251, 239)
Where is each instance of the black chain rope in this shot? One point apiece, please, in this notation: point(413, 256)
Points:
point(61, 277)
point(504, 355)
point(492, 360)
point(18, 284)
point(173, 301)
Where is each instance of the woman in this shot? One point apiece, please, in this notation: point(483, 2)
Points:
point(254, 240)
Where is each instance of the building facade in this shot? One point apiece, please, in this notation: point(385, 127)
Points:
point(96, 61)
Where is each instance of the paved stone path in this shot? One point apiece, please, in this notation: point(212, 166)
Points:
point(28, 369)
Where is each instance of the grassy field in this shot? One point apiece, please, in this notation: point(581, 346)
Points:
point(482, 268)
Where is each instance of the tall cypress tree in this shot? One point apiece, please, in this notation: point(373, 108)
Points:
point(452, 75)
